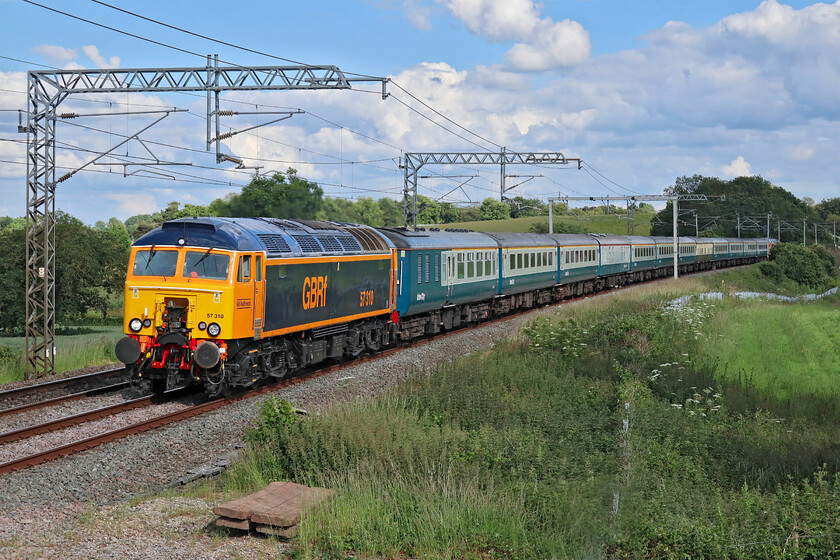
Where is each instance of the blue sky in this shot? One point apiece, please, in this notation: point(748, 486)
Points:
point(643, 92)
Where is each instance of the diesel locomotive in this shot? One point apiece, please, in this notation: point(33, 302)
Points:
point(229, 302)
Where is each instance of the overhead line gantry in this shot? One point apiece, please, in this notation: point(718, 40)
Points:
point(413, 161)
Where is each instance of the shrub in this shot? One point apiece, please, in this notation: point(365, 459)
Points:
point(801, 265)
point(827, 259)
point(772, 270)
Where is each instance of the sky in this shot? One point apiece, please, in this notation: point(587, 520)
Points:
point(642, 92)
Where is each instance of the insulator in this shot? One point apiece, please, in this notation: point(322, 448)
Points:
point(65, 177)
point(225, 135)
point(69, 115)
point(227, 113)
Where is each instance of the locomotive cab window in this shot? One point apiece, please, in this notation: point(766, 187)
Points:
point(155, 263)
point(203, 264)
point(244, 274)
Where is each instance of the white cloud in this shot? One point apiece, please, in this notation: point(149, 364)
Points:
point(418, 13)
point(99, 61)
point(554, 45)
point(513, 19)
point(543, 44)
point(129, 204)
point(783, 25)
point(56, 53)
point(737, 168)
point(802, 152)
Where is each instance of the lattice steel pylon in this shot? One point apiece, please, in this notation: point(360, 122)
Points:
point(46, 89)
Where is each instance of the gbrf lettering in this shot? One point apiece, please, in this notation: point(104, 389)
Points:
point(314, 292)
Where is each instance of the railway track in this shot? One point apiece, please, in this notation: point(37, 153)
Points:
point(162, 420)
point(30, 397)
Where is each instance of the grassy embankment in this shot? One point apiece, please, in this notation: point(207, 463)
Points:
point(520, 452)
point(586, 223)
point(74, 351)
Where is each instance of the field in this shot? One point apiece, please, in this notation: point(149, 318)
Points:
point(615, 430)
point(788, 350)
point(72, 352)
point(597, 223)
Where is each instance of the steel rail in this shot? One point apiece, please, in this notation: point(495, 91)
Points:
point(65, 398)
point(73, 420)
point(29, 389)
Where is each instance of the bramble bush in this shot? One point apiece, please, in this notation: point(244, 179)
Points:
point(812, 266)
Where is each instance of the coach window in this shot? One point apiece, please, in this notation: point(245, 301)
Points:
point(460, 266)
point(244, 269)
point(470, 266)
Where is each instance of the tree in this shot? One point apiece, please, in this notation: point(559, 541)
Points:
point(368, 212)
point(521, 207)
point(469, 214)
point(448, 213)
point(279, 196)
point(492, 209)
point(747, 196)
point(428, 211)
point(392, 212)
point(12, 279)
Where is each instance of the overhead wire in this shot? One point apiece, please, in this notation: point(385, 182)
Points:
point(186, 51)
point(235, 46)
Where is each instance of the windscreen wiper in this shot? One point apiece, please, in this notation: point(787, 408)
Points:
point(151, 256)
point(204, 256)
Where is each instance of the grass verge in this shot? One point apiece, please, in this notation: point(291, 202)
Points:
point(522, 452)
point(72, 352)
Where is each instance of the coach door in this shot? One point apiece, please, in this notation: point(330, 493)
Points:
point(449, 273)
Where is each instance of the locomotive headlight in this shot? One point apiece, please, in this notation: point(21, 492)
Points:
point(135, 325)
point(202, 325)
point(147, 323)
point(213, 329)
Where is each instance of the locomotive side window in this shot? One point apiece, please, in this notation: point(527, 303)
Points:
point(155, 263)
point(258, 272)
point(244, 269)
point(203, 264)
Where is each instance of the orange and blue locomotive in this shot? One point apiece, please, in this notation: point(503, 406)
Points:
point(225, 302)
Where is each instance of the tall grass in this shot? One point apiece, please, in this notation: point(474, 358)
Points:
point(522, 452)
point(72, 352)
point(501, 455)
